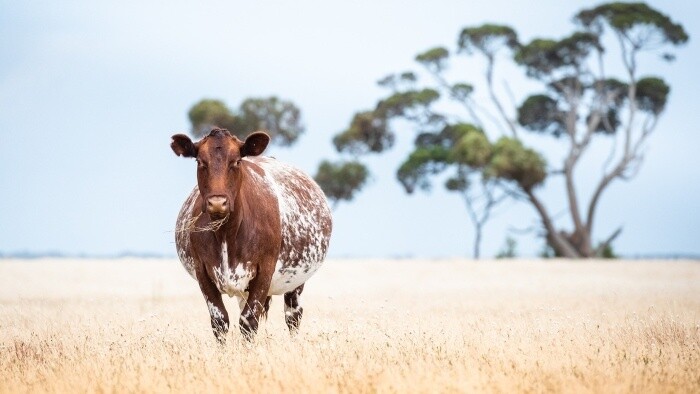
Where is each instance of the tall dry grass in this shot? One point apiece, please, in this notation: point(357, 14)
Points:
point(369, 326)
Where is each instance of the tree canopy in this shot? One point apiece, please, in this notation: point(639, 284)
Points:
point(341, 180)
point(281, 119)
point(481, 155)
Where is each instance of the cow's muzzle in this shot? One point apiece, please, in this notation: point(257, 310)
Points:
point(217, 207)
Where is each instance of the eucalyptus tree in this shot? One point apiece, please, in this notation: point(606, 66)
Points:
point(482, 154)
point(341, 180)
point(281, 119)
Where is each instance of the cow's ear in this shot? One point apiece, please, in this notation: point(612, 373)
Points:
point(182, 145)
point(255, 144)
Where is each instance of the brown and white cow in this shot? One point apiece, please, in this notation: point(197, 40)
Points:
point(253, 227)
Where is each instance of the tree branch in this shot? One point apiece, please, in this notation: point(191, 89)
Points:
point(629, 153)
point(494, 98)
point(575, 150)
point(465, 103)
point(607, 242)
point(557, 240)
point(489, 115)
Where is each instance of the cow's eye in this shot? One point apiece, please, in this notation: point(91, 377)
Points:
point(201, 164)
point(235, 164)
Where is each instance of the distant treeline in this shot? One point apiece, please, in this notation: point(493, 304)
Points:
point(62, 255)
point(663, 256)
point(151, 255)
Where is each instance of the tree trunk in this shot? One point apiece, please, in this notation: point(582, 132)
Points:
point(580, 241)
point(561, 245)
point(477, 241)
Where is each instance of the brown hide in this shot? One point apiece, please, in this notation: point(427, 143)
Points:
point(253, 227)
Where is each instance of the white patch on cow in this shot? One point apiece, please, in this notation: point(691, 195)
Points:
point(216, 313)
point(240, 271)
point(231, 282)
point(241, 301)
point(245, 321)
point(182, 232)
point(289, 311)
point(301, 220)
point(305, 219)
point(224, 254)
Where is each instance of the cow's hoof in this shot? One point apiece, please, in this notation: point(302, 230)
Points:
point(292, 316)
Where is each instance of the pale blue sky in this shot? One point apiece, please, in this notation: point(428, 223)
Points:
point(90, 93)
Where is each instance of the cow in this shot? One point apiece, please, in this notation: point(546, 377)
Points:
point(251, 228)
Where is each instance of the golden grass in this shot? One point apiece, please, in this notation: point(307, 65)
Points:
point(189, 224)
point(369, 326)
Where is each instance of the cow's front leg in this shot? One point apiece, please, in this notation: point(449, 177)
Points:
point(217, 310)
point(255, 305)
point(242, 302)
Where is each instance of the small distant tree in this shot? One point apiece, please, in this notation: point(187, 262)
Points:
point(509, 250)
point(279, 118)
point(341, 181)
point(480, 154)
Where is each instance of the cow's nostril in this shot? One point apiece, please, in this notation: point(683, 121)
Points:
point(217, 204)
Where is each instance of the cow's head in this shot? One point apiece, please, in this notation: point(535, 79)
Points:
point(219, 157)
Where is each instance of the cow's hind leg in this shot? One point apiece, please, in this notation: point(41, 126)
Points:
point(292, 309)
point(267, 306)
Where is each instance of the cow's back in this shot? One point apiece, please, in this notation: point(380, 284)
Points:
point(306, 223)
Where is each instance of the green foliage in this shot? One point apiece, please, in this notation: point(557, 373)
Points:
point(614, 88)
point(541, 57)
point(628, 17)
point(540, 113)
point(487, 38)
point(577, 98)
point(404, 103)
point(434, 59)
point(570, 86)
point(462, 145)
point(509, 250)
point(547, 252)
point(459, 182)
point(473, 150)
point(652, 94)
point(615, 92)
point(341, 180)
point(447, 137)
point(460, 91)
point(539, 54)
point(280, 119)
point(608, 252)
point(420, 164)
point(408, 76)
point(393, 81)
point(209, 113)
point(367, 133)
point(459, 130)
point(512, 161)
point(609, 122)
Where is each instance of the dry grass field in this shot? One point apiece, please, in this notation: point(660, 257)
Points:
point(369, 326)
